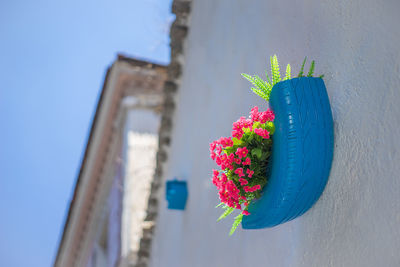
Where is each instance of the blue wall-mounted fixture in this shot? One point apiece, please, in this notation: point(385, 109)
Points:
point(302, 152)
point(176, 194)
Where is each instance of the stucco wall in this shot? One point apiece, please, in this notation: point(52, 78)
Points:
point(356, 44)
point(139, 162)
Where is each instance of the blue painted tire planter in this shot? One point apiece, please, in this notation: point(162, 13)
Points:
point(302, 152)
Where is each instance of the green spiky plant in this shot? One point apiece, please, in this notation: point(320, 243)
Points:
point(263, 88)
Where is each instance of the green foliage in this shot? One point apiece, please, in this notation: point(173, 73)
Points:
point(263, 88)
point(256, 152)
point(266, 75)
point(276, 75)
point(270, 127)
point(238, 220)
point(302, 68)
point(311, 71)
point(228, 210)
point(219, 205)
point(287, 77)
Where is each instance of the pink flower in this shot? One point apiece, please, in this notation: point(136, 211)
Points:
point(242, 123)
point(223, 196)
point(261, 132)
point(219, 150)
point(245, 212)
point(212, 146)
point(224, 178)
point(243, 181)
point(267, 116)
point(255, 116)
point(226, 141)
point(237, 133)
point(238, 206)
point(231, 158)
point(249, 173)
point(242, 152)
point(239, 171)
point(224, 157)
point(237, 161)
point(212, 155)
point(215, 173)
point(216, 181)
point(247, 161)
point(252, 189)
point(238, 125)
point(248, 124)
point(228, 192)
point(218, 161)
point(220, 184)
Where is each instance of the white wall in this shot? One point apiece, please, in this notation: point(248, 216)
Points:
point(141, 142)
point(357, 45)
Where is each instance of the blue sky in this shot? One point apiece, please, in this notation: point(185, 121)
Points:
point(53, 58)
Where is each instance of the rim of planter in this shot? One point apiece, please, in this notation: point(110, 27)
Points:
point(302, 152)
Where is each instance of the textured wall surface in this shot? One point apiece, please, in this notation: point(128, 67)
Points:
point(140, 152)
point(356, 44)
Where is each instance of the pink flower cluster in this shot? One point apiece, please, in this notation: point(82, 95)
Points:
point(262, 117)
point(228, 192)
point(253, 188)
point(237, 160)
point(261, 132)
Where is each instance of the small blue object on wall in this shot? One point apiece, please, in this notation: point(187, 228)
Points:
point(176, 194)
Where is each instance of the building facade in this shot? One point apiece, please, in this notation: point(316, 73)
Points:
point(354, 223)
point(107, 216)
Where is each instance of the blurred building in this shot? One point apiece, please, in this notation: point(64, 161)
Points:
point(355, 222)
point(107, 221)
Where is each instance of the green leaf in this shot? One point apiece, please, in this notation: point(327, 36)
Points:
point(265, 155)
point(256, 152)
point(270, 127)
point(266, 75)
point(238, 220)
point(260, 83)
point(276, 76)
point(288, 69)
point(251, 79)
point(311, 71)
point(219, 205)
point(302, 68)
point(250, 137)
point(228, 211)
point(228, 150)
point(260, 94)
point(236, 142)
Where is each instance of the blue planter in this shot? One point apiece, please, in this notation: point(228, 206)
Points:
point(176, 194)
point(302, 152)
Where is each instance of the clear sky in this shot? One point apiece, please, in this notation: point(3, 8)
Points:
point(53, 58)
